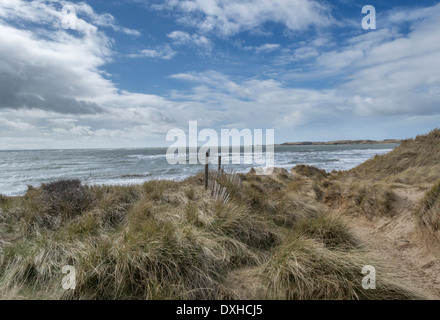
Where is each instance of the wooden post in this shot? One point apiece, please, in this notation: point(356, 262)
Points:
point(206, 170)
point(219, 163)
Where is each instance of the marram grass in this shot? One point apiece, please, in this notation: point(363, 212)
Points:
point(174, 240)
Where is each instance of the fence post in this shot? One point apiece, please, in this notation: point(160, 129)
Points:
point(219, 163)
point(206, 170)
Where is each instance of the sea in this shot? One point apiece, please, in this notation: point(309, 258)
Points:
point(22, 168)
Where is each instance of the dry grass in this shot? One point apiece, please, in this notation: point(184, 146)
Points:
point(174, 240)
point(414, 161)
point(367, 198)
point(303, 268)
point(368, 189)
point(429, 210)
point(310, 171)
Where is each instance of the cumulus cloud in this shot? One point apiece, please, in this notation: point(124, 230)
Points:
point(60, 73)
point(49, 12)
point(53, 87)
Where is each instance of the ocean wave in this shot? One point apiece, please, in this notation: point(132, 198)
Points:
point(115, 167)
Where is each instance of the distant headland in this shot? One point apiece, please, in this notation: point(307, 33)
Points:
point(340, 142)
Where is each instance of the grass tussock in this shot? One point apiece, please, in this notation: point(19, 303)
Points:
point(174, 240)
point(303, 268)
point(368, 199)
point(310, 171)
point(429, 210)
point(329, 231)
point(67, 198)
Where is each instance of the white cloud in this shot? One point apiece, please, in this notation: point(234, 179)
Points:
point(164, 52)
point(49, 12)
point(378, 73)
point(60, 73)
point(184, 38)
point(381, 73)
point(392, 74)
point(267, 47)
point(261, 103)
point(102, 20)
point(53, 91)
point(16, 125)
point(228, 17)
point(264, 48)
point(294, 55)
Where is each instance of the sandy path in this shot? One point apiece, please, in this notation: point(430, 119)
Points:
point(401, 244)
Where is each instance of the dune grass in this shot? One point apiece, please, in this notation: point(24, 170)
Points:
point(429, 210)
point(414, 161)
point(303, 268)
point(173, 240)
point(368, 189)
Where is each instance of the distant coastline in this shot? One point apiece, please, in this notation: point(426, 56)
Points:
point(340, 142)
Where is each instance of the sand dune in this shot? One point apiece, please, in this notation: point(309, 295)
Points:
point(303, 234)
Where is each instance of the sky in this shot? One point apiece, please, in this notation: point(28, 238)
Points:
point(121, 74)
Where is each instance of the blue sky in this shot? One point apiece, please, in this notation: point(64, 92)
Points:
point(132, 70)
